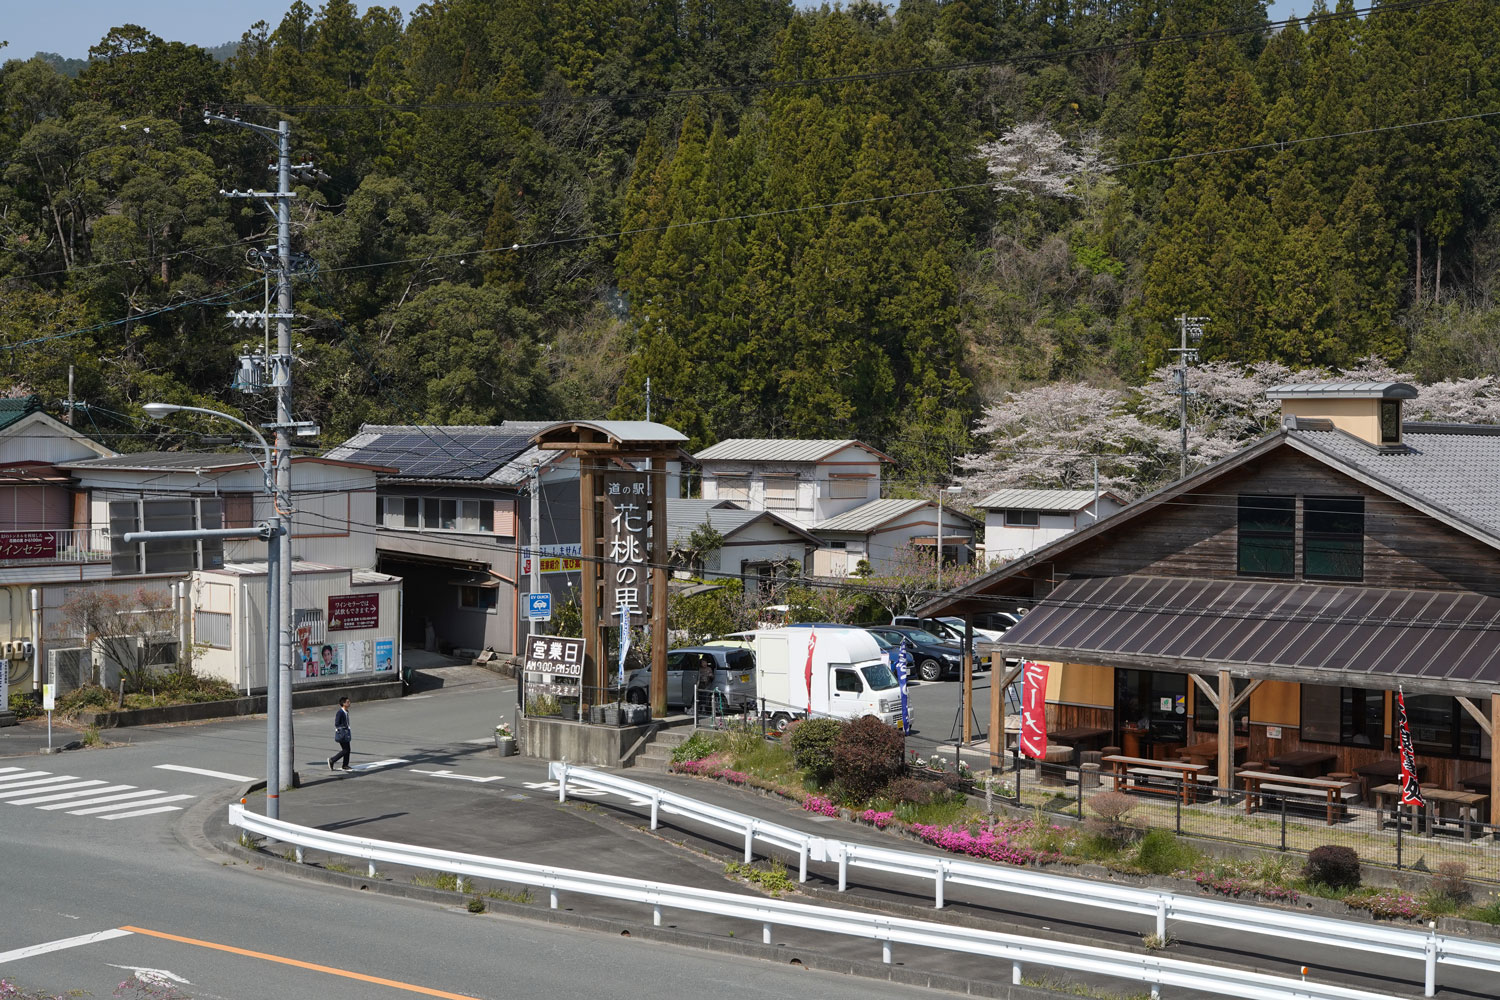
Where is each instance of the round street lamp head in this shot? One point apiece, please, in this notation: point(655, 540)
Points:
point(159, 410)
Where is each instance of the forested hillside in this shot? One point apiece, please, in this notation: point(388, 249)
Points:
point(870, 221)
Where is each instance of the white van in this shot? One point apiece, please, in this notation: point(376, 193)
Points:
point(850, 675)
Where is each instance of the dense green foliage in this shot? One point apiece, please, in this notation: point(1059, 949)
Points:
point(516, 222)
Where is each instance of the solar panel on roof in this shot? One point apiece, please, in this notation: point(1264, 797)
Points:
point(440, 454)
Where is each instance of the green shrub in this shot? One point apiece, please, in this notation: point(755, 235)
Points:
point(1111, 818)
point(86, 697)
point(1161, 853)
point(867, 755)
point(916, 791)
point(812, 745)
point(476, 905)
point(695, 747)
point(25, 704)
point(1453, 881)
point(1334, 866)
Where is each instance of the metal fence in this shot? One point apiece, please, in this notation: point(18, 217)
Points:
point(1399, 838)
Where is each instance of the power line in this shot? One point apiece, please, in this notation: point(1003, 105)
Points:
point(635, 97)
point(218, 298)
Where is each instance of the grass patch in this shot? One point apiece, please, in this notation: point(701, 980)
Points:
point(437, 880)
point(476, 905)
point(522, 895)
point(91, 737)
point(1080, 990)
point(1161, 853)
point(953, 812)
point(772, 878)
point(1488, 913)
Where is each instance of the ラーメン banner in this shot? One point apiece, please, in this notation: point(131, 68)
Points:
point(1033, 736)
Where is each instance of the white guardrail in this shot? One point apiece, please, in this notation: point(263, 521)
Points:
point(1019, 950)
point(1430, 948)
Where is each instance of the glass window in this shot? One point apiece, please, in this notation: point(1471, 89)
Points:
point(1390, 421)
point(468, 515)
point(1267, 536)
point(879, 677)
point(733, 487)
point(1023, 519)
point(481, 598)
point(486, 516)
point(448, 514)
point(1333, 545)
point(848, 487)
point(430, 513)
point(781, 493)
point(1440, 727)
point(213, 628)
point(1206, 713)
point(847, 681)
point(1349, 716)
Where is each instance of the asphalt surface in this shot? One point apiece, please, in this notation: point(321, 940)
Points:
point(429, 775)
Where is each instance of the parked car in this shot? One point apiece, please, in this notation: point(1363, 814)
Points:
point(934, 658)
point(949, 629)
point(733, 677)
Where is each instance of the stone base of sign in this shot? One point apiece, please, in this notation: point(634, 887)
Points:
point(309, 697)
point(552, 738)
point(7, 718)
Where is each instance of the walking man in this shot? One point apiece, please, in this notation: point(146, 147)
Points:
point(342, 735)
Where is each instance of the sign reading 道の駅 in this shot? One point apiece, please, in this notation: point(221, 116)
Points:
point(558, 655)
point(353, 611)
point(627, 509)
point(28, 544)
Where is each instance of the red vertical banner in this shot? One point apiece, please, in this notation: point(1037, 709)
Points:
point(812, 640)
point(1411, 788)
point(1033, 735)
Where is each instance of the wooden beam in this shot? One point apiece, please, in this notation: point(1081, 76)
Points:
point(1479, 717)
point(1244, 695)
point(968, 707)
point(1226, 730)
point(1206, 690)
point(998, 684)
point(658, 587)
point(589, 573)
point(1494, 771)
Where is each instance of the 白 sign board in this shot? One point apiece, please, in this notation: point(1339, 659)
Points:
point(557, 655)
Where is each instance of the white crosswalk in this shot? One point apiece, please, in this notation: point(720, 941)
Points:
point(92, 797)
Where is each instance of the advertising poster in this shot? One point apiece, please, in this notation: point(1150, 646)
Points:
point(385, 655)
point(359, 656)
point(329, 661)
point(350, 612)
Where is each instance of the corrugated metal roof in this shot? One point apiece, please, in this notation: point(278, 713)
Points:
point(871, 515)
point(14, 408)
point(726, 517)
point(779, 450)
point(1431, 640)
point(1342, 390)
point(165, 461)
point(366, 577)
point(1055, 500)
point(622, 431)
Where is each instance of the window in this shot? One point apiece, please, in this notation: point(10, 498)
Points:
point(1333, 543)
point(1441, 727)
point(1390, 421)
point(213, 629)
point(848, 487)
point(1023, 519)
point(1350, 716)
point(478, 598)
point(733, 487)
point(1267, 536)
point(1206, 714)
point(847, 681)
point(402, 512)
point(781, 493)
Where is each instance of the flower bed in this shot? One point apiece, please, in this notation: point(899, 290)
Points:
point(996, 841)
point(821, 806)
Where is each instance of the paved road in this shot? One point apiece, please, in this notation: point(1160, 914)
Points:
point(225, 931)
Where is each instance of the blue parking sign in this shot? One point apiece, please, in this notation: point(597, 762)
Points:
point(539, 607)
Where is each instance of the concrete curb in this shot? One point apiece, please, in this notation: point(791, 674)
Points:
point(235, 707)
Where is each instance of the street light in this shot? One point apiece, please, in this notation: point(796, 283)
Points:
point(939, 545)
point(274, 679)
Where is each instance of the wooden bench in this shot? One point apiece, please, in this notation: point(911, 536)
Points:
point(1467, 809)
point(1332, 793)
point(1139, 773)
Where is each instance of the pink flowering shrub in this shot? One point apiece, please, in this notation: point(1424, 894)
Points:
point(818, 804)
point(1389, 904)
point(1240, 885)
point(1002, 841)
point(879, 820)
point(711, 767)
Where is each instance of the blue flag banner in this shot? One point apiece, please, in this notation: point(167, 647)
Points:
point(624, 640)
point(901, 666)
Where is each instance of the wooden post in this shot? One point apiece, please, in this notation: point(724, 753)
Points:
point(969, 678)
point(997, 710)
point(1226, 730)
point(1494, 771)
point(588, 533)
point(658, 586)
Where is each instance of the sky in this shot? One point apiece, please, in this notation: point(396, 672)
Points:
point(69, 27)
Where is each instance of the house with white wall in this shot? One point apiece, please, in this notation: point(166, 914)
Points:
point(754, 543)
point(1017, 521)
point(802, 481)
point(876, 533)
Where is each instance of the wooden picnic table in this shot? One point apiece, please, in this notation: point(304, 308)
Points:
point(1131, 771)
point(1479, 783)
point(1258, 783)
point(1207, 752)
point(1468, 808)
point(1384, 772)
point(1302, 763)
point(1082, 737)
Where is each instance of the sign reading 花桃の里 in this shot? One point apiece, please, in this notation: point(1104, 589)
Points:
point(28, 544)
point(627, 510)
point(558, 655)
point(352, 611)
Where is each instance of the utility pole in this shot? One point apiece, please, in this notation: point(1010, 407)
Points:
point(69, 415)
point(1187, 326)
point(277, 369)
point(534, 531)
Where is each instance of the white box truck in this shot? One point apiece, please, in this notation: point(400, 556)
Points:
point(850, 674)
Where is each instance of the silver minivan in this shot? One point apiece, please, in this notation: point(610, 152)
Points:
point(732, 671)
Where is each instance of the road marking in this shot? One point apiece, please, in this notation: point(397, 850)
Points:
point(57, 796)
point(111, 808)
point(378, 763)
point(416, 697)
point(12, 789)
point(95, 798)
point(590, 793)
point(147, 975)
point(8, 770)
point(62, 944)
point(146, 812)
point(6, 781)
point(487, 741)
point(295, 963)
point(204, 771)
point(457, 777)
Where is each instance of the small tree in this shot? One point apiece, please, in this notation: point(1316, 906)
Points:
point(910, 581)
point(703, 542)
point(114, 624)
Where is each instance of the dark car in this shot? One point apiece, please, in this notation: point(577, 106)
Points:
point(934, 658)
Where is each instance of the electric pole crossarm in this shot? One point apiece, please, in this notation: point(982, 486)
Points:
point(263, 531)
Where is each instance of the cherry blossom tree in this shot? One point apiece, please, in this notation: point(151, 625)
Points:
point(1033, 159)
